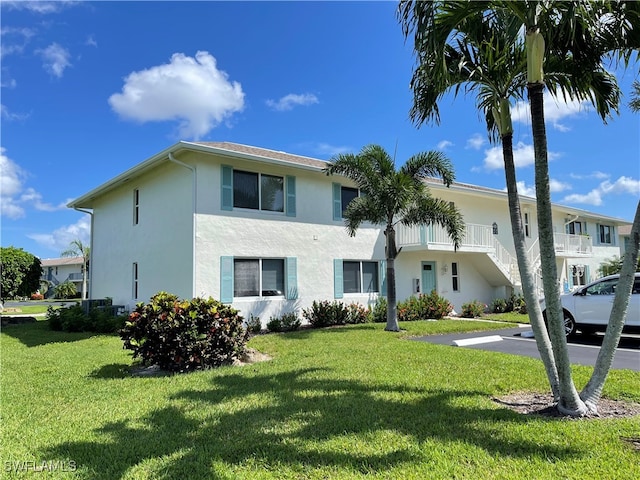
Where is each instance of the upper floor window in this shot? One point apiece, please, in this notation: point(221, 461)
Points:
point(258, 191)
point(134, 291)
point(576, 228)
point(527, 229)
point(136, 206)
point(455, 279)
point(258, 277)
point(606, 234)
point(360, 277)
point(342, 196)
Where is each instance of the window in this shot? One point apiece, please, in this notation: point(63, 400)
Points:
point(579, 275)
point(342, 196)
point(258, 277)
point(258, 191)
point(527, 231)
point(576, 228)
point(346, 195)
point(606, 287)
point(606, 236)
point(135, 280)
point(360, 277)
point(136, 206)
point(455, 283)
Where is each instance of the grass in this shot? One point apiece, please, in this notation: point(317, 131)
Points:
point(509, 317)
point(26, 309)
point(350, 402)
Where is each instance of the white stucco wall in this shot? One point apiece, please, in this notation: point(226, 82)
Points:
point(161, 243)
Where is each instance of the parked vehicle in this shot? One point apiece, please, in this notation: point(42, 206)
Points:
point(587, 309)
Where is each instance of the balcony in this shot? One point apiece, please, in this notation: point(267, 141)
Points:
point(567, 245)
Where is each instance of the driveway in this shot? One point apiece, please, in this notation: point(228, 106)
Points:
point(582, 351)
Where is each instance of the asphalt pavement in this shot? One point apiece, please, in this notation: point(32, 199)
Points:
point(583, 350)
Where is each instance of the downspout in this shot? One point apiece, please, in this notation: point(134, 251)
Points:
point(90, 213)
point(193, 219)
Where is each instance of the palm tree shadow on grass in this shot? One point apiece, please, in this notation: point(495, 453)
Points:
point(300, 420)
point(39, 333)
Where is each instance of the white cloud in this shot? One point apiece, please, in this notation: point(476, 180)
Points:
point(476, 141)
point(9, 116)
point(40, 7)
point(288, 102)
point(325, 149)
point(523, 156)
point(14, 198)
point(91, 41)
point(622, 186)
point(597, 175)
point(59, 239)
point(444, 144)
point(14, 40)
point(55, 59)
point(524, 190)
point(191, 90)
point(557, 186)
point(554, 111)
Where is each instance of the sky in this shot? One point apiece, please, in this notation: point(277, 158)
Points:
point(90, 89)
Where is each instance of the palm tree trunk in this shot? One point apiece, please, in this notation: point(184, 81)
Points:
point(569, 402)
point(392, 315)
point(593, 390)
point(526, 275)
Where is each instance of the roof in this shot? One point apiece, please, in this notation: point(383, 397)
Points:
point(264, 155)
point(624, 230)
point(59, 262)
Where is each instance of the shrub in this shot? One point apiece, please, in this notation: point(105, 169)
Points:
point(423, 307)
point(183, 335)
point(378, 313)
point(253, 324)
point(516, 303)
point(472, 309)
point(74, 319)
point(325, 314)
point(274, 324)
point(37, 296)
point(356, 313)
point(66, 290)
point(499, 305)
point(288, 322)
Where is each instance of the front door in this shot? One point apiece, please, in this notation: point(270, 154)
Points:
point(428, 277)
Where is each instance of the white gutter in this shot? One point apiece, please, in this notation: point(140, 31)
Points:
point(193, 218)
point(90, 213)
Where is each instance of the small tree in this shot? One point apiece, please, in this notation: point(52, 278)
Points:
point(78, 249)
point(21, 272)
point(66, 290)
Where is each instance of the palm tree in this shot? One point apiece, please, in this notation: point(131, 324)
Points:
point(634, 104)
point(390, 197)
point(578, 33)
point(78, 249)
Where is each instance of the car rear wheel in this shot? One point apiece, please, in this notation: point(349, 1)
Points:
point(569, 324)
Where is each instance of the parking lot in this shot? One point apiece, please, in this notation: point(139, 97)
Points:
point(583, 350)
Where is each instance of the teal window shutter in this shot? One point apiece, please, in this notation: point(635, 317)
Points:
point(338, 281)
point(291, 196)
point(337, 202)
point(587, 277)
point(226, 279)
point(383, 278)
point(227, 188)
point(292, 278)
point(597, 242)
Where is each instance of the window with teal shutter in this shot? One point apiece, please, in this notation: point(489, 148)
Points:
point(292, 278)
point(383, 278)
point(337, 202)
point(226, 279)
point(226, 188)
point(338, 282)
point(291, 196)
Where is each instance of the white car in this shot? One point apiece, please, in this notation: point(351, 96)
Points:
point(587, 309)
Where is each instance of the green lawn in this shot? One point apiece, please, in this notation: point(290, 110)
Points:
point(510, 317)
point(349, 402)
point(26, 309)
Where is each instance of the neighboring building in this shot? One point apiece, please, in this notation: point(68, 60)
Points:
point(59, 270)
point(264, 230)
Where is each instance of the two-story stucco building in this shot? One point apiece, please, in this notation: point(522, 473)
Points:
point(60, 270)
point(263, 230)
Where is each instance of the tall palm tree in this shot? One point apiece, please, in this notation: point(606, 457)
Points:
point(78, 249)
point(390, 197)
point(578, 33)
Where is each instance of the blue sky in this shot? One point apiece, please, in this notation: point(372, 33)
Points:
point(89, 89)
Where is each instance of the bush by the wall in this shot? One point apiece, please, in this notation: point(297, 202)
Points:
point(325, 314)
point(253, 324)
point(423, 307)
point(356, 314)
point(74, 319)
point(37, 296)
point(378, 313)
point(516, 303)
point(288, 322)
point(182, 335)
point(472, 309)
point(499, 305)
